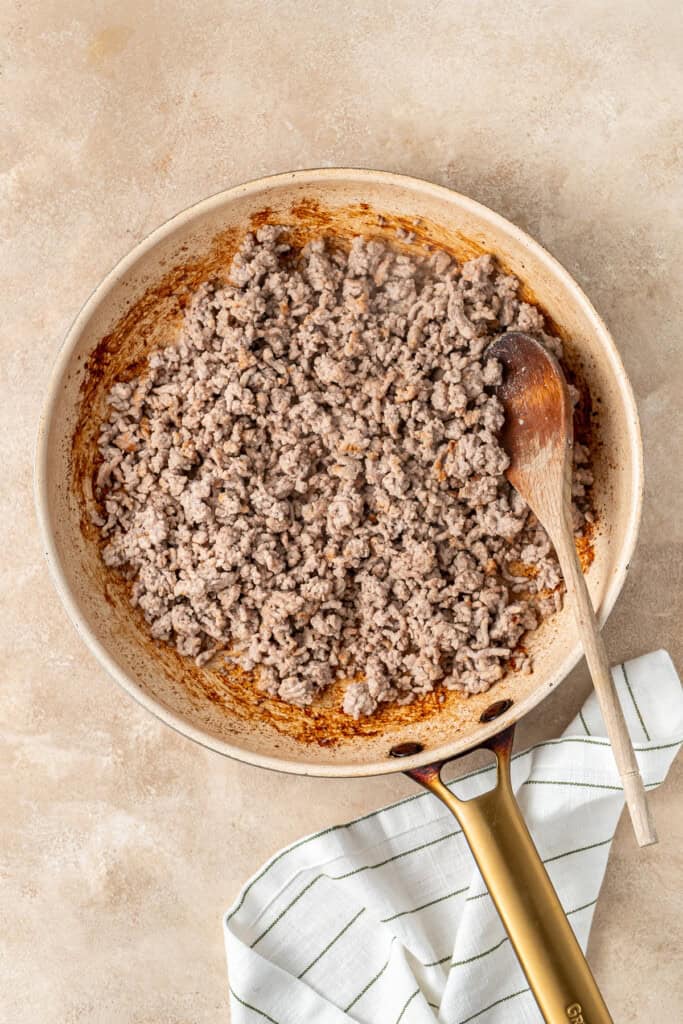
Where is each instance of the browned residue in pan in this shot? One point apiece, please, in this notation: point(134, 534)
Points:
point(153, 319)
point(323, 724)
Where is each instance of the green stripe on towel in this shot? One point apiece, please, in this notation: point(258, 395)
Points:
point(331, 943)
point(513, 995)
point(407, 1004)
point(635, 702)
point(371, 982)
point(254, 1009)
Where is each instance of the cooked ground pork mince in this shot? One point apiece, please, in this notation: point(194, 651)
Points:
point(309, 479)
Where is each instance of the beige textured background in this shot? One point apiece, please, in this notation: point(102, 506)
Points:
point(122, 842)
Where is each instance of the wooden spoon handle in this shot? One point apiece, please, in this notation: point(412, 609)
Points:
point(598, 665)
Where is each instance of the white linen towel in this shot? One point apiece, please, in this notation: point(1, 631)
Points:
point(386, 920)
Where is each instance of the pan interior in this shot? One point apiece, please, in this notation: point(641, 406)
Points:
point(140, 306)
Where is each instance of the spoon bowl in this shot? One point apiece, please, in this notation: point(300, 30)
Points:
point(538, 430)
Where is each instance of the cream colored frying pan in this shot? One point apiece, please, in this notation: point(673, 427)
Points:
point(139, 305)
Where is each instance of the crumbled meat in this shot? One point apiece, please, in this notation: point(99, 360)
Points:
point(309, 480)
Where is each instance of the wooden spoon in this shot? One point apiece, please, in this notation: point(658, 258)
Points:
point(538, 437)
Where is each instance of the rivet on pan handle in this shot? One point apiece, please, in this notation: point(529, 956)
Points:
point(522, 892)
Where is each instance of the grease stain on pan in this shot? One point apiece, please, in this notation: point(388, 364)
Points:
point(154, 318)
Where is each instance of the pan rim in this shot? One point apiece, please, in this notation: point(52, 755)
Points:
point(314, 176)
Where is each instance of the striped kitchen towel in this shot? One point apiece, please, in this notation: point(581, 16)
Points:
point(386, 920)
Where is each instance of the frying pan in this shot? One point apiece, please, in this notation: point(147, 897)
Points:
point(139, 305)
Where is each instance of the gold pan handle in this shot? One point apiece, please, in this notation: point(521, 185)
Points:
point(522, 892)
